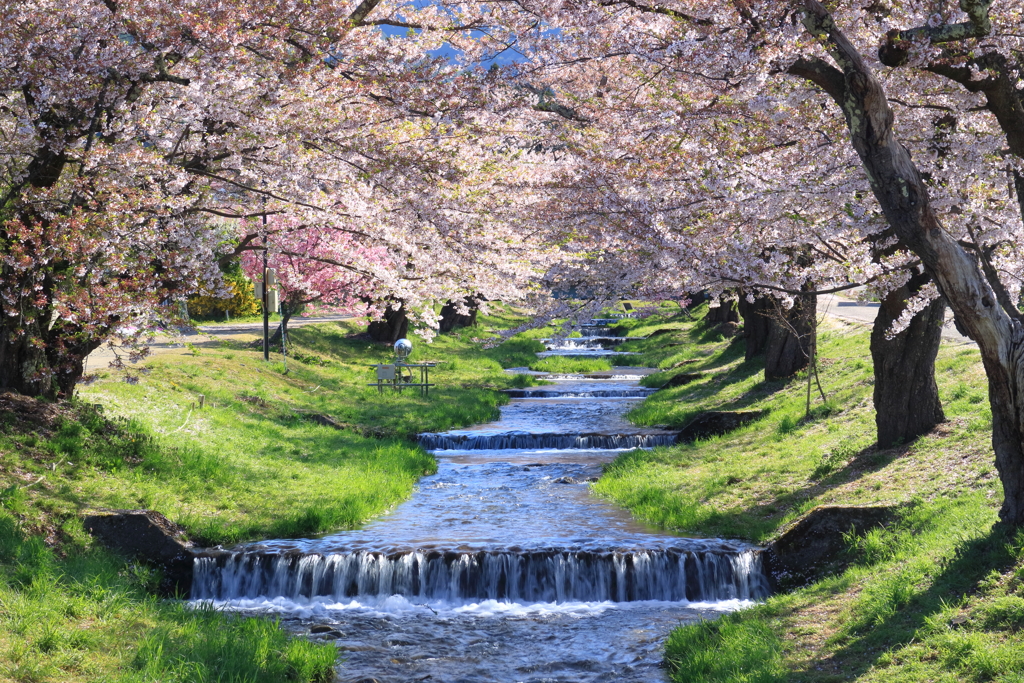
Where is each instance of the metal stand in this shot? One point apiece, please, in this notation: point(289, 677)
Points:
point(398, 376)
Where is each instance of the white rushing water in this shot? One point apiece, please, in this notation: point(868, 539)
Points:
point(502, 566)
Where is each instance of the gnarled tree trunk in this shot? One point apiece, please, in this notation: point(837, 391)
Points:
point(791, 337)
point(757, 324)
point(903, 195)
point(906, 397)
point(394, 326)
point(24, 367)
point(451, 318)
point(724, 313)
point(38, 359)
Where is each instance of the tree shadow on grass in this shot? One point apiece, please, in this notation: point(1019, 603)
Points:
point(874, 634)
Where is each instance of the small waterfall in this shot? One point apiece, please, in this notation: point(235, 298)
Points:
point(575, 344)
point(525, 577)
point(639, 392)
point(585, 353)
point(588, 341)
point(526, 440)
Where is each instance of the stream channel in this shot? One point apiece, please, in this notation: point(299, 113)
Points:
point(502, 566)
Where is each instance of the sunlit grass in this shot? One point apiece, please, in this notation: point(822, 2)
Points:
point(938, 596)
point(253, 461)
point(90, 617)
point(568, 364)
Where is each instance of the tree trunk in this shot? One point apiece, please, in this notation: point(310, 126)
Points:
point(451, 318)
point(42, 363)
point(757, 324)
point(393, 327)
point(906, 397)
point(724, 313)
point(789, 343)
point(23, 364)
point(903, 195)
point(282, 329)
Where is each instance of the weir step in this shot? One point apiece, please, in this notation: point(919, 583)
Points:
point(639, 392)
point(544, 576)
point(527, 440)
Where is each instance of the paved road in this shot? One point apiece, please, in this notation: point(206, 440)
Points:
point(206, 336)
point(848, 309)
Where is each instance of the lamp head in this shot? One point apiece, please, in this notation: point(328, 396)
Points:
point(403, 347)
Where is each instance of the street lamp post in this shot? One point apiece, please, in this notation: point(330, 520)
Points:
point(266, 292)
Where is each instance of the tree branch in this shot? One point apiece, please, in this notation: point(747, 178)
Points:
point(362, 11)
point(657, 9)
point(896, 48)
point(822, 74)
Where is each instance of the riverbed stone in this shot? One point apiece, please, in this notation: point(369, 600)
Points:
point(326, 632)
point(715, 423)
point(146, 536)
point(813, 546)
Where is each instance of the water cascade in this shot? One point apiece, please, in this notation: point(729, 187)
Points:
point(547, 576)
point(531, 441)
point(502, 566)
point(638, 392)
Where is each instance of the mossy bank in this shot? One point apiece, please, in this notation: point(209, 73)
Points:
point(938, 595)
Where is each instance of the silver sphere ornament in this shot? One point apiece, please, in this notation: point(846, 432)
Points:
point(403, 347)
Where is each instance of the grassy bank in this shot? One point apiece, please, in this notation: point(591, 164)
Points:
point(269, 453)
point(89, 616)
point(258, 460)
point(937, 596)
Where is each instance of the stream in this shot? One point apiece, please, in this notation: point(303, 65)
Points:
point(502, 566)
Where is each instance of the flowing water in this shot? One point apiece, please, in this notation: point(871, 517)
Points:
point(590, 346)
point(502, 566)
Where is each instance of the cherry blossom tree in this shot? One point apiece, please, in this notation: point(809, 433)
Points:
point(132, 128)
point(313, 270)
point(747, 93)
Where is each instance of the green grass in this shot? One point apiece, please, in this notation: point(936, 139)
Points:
point(937, 596)
point(731, 648)
point(88, 616)
point(565, 364)
point(251, 463)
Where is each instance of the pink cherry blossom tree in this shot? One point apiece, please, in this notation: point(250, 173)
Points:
point(314, 269)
